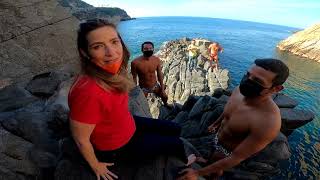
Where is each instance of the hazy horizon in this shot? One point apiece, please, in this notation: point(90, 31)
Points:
point(291, 13)
point(301, 28)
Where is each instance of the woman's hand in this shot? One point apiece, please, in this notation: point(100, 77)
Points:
point(101, 170)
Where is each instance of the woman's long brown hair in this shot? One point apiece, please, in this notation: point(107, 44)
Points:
point(119, 82)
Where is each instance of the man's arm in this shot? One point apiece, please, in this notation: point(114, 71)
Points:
point(220, 49)
point(209, 49)
point(134, 72)
point(160, 75)
point(260, 136)
point(215, 125)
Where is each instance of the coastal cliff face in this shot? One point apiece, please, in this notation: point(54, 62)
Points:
point(305, 43)
point(38, 36)
point(84, 11)
point(35, 36)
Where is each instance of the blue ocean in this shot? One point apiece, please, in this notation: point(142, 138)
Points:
point(243, 42)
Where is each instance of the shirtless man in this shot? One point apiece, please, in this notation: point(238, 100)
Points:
point(213, 50)
point(145, 67)
point(250, 120)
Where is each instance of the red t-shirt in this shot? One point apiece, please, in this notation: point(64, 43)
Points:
point(91, 104)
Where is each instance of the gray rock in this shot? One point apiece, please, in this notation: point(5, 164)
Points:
point(203, 144)
point(181, 81)
point(138, 104)
point(6, 174)
point(14, 97)
point(13, 91)
point(60, 97)
point(154, 104)
point(284, 101)
point(241, 175)
point(45, 85)
point(36, 37)
point(197, 109)
point(34, 128)
point(36, 106)
point(277, 150)
point(14, 157)
point(43, 159)
point(191, 101)
point(223, 99)
point(68, 170)
point(59, 125)
point(294, 118)
point(181, 118)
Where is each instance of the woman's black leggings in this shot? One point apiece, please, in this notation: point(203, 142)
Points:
point(153, 137)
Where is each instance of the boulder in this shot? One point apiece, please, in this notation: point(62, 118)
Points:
point(14, 157)
point(14, 97)
point(34, 128)
point(284, 101)
point(138, 104)
point(45, 85)
point(294, 118)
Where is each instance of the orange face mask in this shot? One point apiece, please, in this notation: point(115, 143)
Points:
point(112, 68)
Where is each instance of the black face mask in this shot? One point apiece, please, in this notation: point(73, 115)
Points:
point(250, 88)
point(147, 53)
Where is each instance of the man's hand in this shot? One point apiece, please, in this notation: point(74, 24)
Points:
point(163, 95)
point(101, 170)
point(188, 174)
point(213, 127)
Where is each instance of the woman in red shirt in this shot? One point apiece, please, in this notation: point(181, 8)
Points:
point(100, 121)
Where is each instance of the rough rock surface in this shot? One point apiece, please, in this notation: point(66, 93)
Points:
point(180, 80)
point(305, 43)
point(34, 135)
point(35, 36)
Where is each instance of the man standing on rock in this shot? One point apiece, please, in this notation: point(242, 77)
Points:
point(213, 50)
point(250, 120)
point(145, 67)
point(192, 48)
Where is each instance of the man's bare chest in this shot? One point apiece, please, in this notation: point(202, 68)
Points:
point(236, 117)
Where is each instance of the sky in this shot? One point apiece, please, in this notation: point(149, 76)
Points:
point(294, 13)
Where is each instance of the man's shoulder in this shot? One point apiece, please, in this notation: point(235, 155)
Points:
point(268, 119)
point(136, 60)
point(155, 58)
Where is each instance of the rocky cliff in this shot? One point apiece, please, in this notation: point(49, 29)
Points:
point(180, 80)
point(35, 36)
point(39, 36)
point(83, 11)
point(305, 43)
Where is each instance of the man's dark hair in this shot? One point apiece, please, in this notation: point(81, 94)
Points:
point(147, 42)
point(276, 66)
